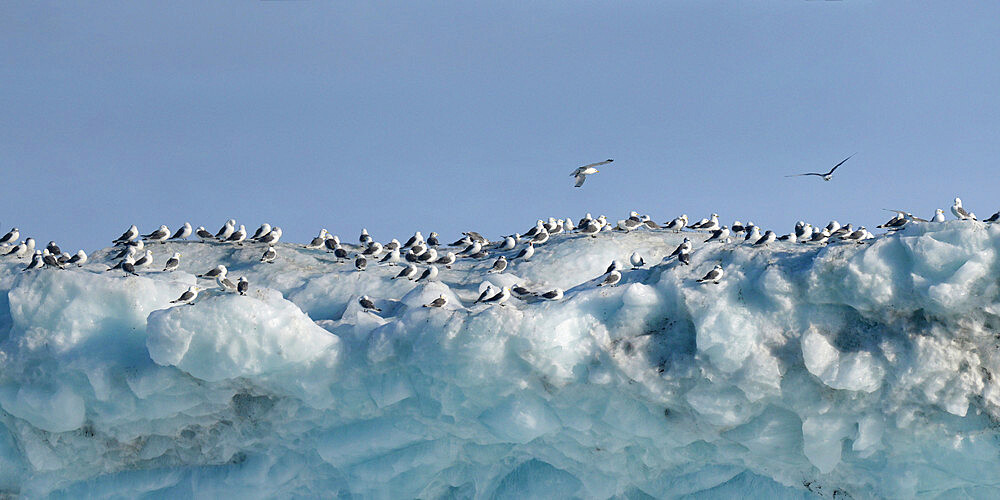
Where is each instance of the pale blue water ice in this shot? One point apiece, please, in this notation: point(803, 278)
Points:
point(865, 370)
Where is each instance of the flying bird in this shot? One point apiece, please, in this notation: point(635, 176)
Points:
point(581, 173)
point(827, 176)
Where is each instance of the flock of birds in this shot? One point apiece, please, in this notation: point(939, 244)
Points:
point(134, 256)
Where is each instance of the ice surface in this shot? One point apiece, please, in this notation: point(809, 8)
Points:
point(862, 370)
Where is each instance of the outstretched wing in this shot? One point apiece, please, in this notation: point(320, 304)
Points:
point(605, 162)
point(580, 178)
point(800, 175)
point(839, 164)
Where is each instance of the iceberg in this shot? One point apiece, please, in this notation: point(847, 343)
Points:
point(842, 370)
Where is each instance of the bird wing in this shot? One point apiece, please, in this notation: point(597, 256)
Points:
point(839, 164)
point(800, 175)
point(580, 178)
point(605, 162)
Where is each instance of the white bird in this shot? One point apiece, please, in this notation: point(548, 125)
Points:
point(225, 283)
point(36, 261)
point(79, 259)
point(938, 216)
point(429, 274)
point(499, 298)
point(447, 260)
point(183, 232)
point(714, 275)
point(581, 173)
point(227, 230)
point(238, 236)
point(64, 257)
point(592, 228)
point(636, 260)
point(319, 241)
point(188, 296)
point(526, 252)
point(173, 262)
point(128, 265)
point(508, 243)
point(160, 235)
point(203, 233)
point(430, 255)
point(261, 232)
point(219, 270)
point(768, 237)
point(438, 302)
point(408, 272)
point(269, 255)
point(130, 234)
point(540, 237)
point(433, 240)
point(360, 263)
point(556, 294)
point(612, 278)
point(271, 237)
point(365, 237)
point(12, 235)
point(51, 260)
point(145, 260)
point(960, 211)
point(720, 234)
point(826, 176)
point(391, 258)
point(242, 285)
point(416, 238)
point(683, 251)
point(367, 304)
point(487, 293)
point(374, 250)
point(499, 265)
point(752, 235)
point(677, 224)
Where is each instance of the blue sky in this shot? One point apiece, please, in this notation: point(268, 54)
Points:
point(453, 116)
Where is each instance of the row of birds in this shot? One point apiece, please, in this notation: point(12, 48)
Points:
point(473, 245)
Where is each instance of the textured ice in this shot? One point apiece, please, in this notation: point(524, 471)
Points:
point(862, 370)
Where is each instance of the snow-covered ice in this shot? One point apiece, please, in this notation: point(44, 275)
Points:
point(865, 370)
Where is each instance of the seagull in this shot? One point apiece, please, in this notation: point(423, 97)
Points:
point(238, 236)
point(827, 176)
point(261, 231)
point(145, 260)
point(939, 216)
point(433, 240)
point(613, 278)
point(130, 234)
point(242, 285)
point(408, 272)
point(714, 275)
point(130, 248)
point(225, 283)
point(738, 227)
point(540, 238)
point(438, 302)
point(271, 237)
point(36, 261)
point(960, 211)
point(160, 235)
point(592, 228)
point(636, 260)
point(269, 255)
point(447, 260)
point(360, 263)
point(51, 260)
point(367, 304)
point(128, 265)
point(556, 294)
point(683, 251)
point(202, 233)
point(173, 262)
point(753, 234)
point(416, 238)
point(226, 230)
point(500, 265)
point(53, 248)
point(12, 235)
point(374, 250)
point(219, 270)
point(993, 218)
point(719, 234)
point(508, 243)
point(768, 237)
point(428, 256)
point(677, 224)
point(499, 298)
point(429, 274)
point(365, 237)
point(79, 259)
point(521, 291)
point(183, 232)
point(581, 173)
point(710, 224)
point(187, 297)
point(526, 252)
point(391, 258)
point(488, 292)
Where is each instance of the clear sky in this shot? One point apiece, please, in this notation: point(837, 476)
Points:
point(453, 116)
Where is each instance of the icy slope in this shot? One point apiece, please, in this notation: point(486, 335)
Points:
point(865, 370)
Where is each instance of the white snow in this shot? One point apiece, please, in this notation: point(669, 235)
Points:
point(866, 370)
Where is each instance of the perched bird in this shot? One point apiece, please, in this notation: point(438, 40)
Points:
point(508, 243)
point(438, 302)
point(187, 297)
point(677, 224)
point(428, 256)
point(636, 260)
point(416, 238)
point(752, 235)
point(487, 293)
point(183, 232)
point(738, 227)
point(271, 237)
point(581, 173)
point(128, 265)
point(612, 279)
point(591, 229)
point(556, 294)
point(827, 176)
point(365, 237)
point(939, 216)
point(227, 230)
point(709, 224)
point(374, 250)
point(173, 262)
point(242, 285)
point(447, 260)
point(391, 258)
point(433, 240)
point(896, 221)
point(408, 272)
point(53, 248)
point(11, 236)
point(130, 234)
point(499, 265)
point(238, 235)
point(720, 234)
point(429, 274)
point(367, 304)
point(225, 283)
point(319, 241)
point(269, 255)
point(261, 232)
point(79, 259)
point(145, 260)
point(540, 237)
point(50, 260)
point(64, 257)
point(526, 252)
point(714, 275)
point(130, 249)
point(36, 261)
point(340, 253)
point(960, 211)
point(360, 263)
point(219, 270)
point(768, 237)
point(203, 234)
point(993, 218)
point(683, 251)
point(499, 298)
point(612, 267)
point(160, 235)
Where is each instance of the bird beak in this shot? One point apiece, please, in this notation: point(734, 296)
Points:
point(596, 171)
